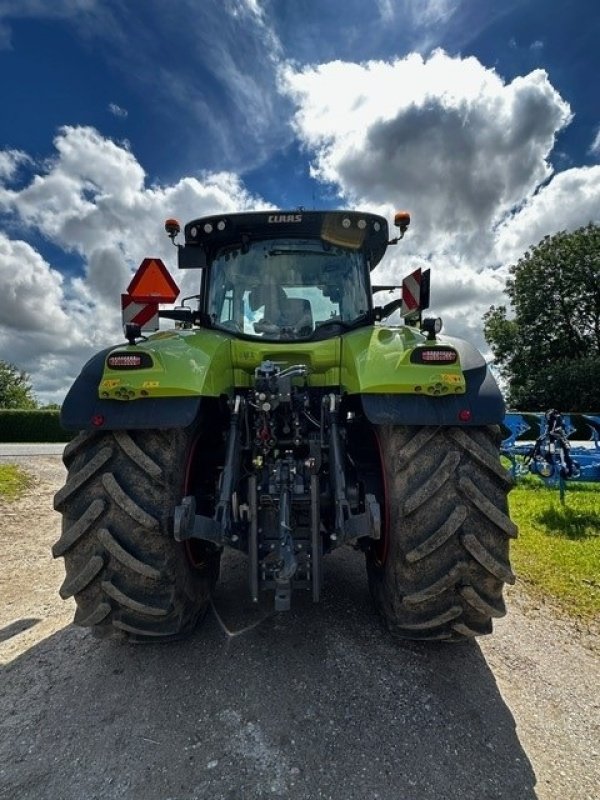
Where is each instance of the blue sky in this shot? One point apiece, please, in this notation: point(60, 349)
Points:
point(482, 118)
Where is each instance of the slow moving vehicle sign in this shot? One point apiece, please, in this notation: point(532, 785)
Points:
point(152, 283)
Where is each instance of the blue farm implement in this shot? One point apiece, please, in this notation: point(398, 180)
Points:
point(553, 447)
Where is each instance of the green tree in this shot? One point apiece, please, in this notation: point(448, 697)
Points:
point(548, 350)
point(15, 388)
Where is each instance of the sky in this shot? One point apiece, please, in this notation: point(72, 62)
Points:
point(481, 118)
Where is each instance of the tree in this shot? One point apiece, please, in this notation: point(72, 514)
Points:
point(15, 388)
point(549, 351)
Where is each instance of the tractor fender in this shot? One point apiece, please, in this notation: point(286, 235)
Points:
point(84, 410)
point(482, 403)
point(376, 367)
point(470, 357)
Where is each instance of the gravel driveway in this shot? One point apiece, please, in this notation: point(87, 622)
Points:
point(316, 703)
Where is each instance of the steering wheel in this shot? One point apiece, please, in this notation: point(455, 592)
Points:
point(264, 326)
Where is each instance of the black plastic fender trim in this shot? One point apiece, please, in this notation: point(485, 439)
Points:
point(84, 410)
point(482, 399)
point(470, 358)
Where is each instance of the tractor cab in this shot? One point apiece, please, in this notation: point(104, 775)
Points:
point(285, 276)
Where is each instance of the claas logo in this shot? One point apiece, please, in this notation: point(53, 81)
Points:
point(284, 218)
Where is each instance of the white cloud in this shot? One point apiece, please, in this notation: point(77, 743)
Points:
point(595, 145)
point(427, 22)
point(10, 161)
point(93, 195)
point(32, 292)
point(432, 12)
point(445, 136)
point(41, 329)
point(464, 150)
point(117, 111)
point(571, 199)
point(386, 10)
point(91, 199)
point(266, 33)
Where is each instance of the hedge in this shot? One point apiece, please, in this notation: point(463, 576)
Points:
point(31, 425)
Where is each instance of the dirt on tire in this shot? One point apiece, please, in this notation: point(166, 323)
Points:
point(127, 574)
point(445, 556)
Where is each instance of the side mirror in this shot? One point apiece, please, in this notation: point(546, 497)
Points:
point(191, 256)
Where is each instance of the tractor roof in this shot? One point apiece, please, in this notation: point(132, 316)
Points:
point(354, 230)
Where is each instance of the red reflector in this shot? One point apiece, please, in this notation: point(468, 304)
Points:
point(97, 420)
point(447, 356)
point(124, 361)
point(464, 415)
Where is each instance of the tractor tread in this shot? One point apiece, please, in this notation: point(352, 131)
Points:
point(129, 577)
point(138, 456)
point(469, 631)
point(73, 533)
point(81, 477)
point(76, 445)
point(135, 605)
point(427, 623)
point(126, 503)
point(447, 529)
point(446, 582)
point(87, 619)
point(480, 455)
point(122, 555)
point(446, 554)
point(73, 584)
point(441, 476)
point(481, 554)
point(485, 607)
point(500, 520)
point(146, 632)
point(411, 449)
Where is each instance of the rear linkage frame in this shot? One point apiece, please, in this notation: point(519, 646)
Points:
point(284, 496)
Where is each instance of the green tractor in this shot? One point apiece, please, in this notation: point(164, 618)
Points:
point(284, 418)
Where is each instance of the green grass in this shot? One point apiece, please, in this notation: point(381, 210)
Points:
point(557, 553)
point(13, 481)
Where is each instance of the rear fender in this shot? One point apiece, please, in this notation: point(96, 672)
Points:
point(183, 369)
point(84, 410)
point(481, 403)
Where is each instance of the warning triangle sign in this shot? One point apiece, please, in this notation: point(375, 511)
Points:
point(152, 283)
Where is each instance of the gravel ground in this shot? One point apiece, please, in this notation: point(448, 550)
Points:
point(317, 703)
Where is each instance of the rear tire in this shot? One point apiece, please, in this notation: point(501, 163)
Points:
point(440, 569)
point(128, 575)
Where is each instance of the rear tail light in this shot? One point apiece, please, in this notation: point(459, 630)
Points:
point(129, 361)
point(434, 355)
